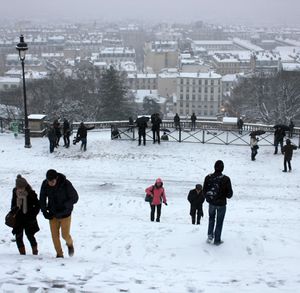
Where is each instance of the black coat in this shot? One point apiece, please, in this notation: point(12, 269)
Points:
point(142, 127)
point(58, 201)
point(82, 131)
point(196, 200)
point(26, 221)
point(156, 121)
point(288, 151)
point(224, 192)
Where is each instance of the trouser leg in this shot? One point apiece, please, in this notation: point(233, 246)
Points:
point(193, 215)
point(152, 212)
point(55, 227)
point(144, 138)
point(65, 224)
point(219, 225)
point(284, 164)
point(19, 239)
point(158, 212)
point(211, 221)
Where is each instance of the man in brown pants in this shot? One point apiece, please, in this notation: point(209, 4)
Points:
point(57, 197)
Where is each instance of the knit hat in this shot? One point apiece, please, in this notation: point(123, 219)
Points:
point(288, 141)
point(51, 175)
point(219, 166)
point(21, 182)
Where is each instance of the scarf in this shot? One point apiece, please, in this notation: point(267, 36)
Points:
point(22, 200)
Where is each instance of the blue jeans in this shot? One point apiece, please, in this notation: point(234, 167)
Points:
point(212, 211)
point(83, 143)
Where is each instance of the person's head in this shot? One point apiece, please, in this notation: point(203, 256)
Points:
point(51, 177)
point(288, 141)
point(158, 182)
point(81, 124)
point(219, 166)
point(21, 182)
point(198, 187)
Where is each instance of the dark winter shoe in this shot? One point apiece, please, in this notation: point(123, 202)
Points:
point(217, 243)
point(283, 170)
point(35, 250)
point(22, 250)
point(70, 250)
point(59, 256)
point(157, 220)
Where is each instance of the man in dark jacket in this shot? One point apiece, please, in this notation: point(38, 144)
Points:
point(217, 188)
point(57, 197)
point(82, 135)
point(196, 200)
point(288, 154)
point(67, 133)
point(156, 121)
point(52, 138)
point(177, 121)
point(142, 125)
point(279, 135)
point(193, 119)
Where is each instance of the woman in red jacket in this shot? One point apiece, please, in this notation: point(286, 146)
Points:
point(157, 193)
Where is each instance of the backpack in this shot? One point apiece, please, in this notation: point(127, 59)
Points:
point(213, 188)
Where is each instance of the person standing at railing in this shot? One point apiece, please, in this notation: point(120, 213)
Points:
point(156, 121)
point(254, 146)
point(177, 121)
point(193, 119)
point(240, 124)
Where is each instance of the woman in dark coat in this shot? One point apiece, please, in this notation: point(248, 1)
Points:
point(25, 202)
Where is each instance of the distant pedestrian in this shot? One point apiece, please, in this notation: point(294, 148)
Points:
point(254, 146)
point(56, 126)
point(279, 135)
point(291, 128)
point(158, 196)
point(193, 119)
point(52, 138)
point(177, 121)
point(141, 125)
point(66, 133)
point(57, 197)
point(25, 202)
point(196, 200)
point(82, 135)
point(156, 121)
point(216, 189)
point(240, 124)
point(288, 154)
point(130, 123)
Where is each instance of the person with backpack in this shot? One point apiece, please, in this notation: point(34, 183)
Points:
point(156, 194)
point(196, 200)
point(288, 154)
point(82, 135)
point(216, 189)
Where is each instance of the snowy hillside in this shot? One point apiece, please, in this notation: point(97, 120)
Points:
point(118, 249)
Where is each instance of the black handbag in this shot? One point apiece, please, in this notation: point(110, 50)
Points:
point(10, 219)
point(148, 198)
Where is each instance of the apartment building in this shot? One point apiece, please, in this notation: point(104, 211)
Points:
point(142, 81)
point(199, 93)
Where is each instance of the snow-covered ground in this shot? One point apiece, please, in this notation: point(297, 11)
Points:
point(118, 249)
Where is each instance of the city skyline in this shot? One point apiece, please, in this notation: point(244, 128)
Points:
point(263, 12)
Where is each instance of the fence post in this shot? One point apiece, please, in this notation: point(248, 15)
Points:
point(133, 133)
point(203, 135)
point(179, 133)
point(1, 125)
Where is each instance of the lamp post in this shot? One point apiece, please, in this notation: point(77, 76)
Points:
point(22, 48)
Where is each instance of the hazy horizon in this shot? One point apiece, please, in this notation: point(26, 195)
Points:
point(255, 12)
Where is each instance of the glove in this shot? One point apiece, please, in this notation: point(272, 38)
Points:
point(47, 215)
point(165, 203)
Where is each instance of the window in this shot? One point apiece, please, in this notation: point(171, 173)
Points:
point(193, 97)
point(187, 97)
point(181, 96)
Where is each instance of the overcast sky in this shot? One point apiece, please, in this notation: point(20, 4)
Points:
point(282, 12)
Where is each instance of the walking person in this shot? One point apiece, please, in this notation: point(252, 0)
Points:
point(193, 119)
point(156, 121)
point(82, 135)
point(52, 138)
point(56, 126)
point(288, 154)
point(279, 135)
point(291, 128)
point(142, 125)
point(57, 198)
point(254, 146)
point(25, 202)
point(157, 194)
point(216, 189)
point(196, 199)
point(66, 133)
point(240, 124)
point(177, 121)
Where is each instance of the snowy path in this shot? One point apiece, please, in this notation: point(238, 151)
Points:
point(117, 248)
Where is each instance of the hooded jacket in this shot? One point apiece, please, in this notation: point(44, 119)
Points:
point(158, 193)
point(57, 201)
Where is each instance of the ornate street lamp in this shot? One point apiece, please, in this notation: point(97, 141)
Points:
point(22, 48)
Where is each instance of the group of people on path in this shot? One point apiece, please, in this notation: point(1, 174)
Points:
point(56, 201)
point(216, 190)
point(54, 134)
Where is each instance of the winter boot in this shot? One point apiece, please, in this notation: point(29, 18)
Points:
point(35, 250)
point(22, 250)
point(71, 250)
